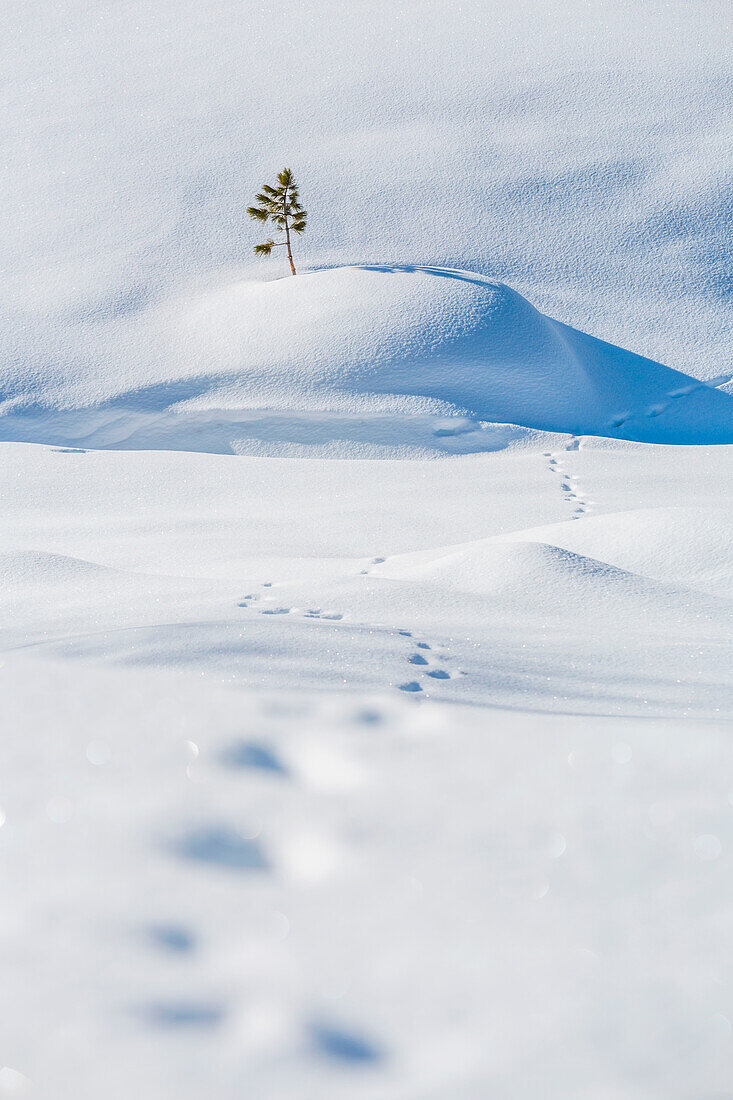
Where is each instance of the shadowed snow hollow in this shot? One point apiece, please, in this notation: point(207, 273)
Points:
point(388, 356)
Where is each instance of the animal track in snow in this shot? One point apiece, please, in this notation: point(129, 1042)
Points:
point(175, 938)
point(186, 1014)
point(427, 662)
point(220, 846)
point(343, 1046)
point(252, 754)
point(569, 483)
point(660, 407)
point(417, 659)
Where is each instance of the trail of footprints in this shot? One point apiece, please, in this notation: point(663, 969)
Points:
point(674, 395)
point(569, 484)
point(220, 845)
point(427, 662)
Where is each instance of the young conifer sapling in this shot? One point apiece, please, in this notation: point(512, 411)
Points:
point(280, 205)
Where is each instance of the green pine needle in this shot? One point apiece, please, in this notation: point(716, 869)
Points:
point(281, 205)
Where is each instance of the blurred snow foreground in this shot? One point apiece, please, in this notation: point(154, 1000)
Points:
point(348, 766)
point(365, 683)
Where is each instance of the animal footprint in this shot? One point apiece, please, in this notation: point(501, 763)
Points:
point(276, 611)
point(222, 847)
point(172, 937)
point(185, 1014)
point(417, 659)
point(251, 754)
point(439, 674)
point(343, 1046)
point(412, 685)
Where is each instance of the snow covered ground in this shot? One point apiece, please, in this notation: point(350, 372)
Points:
point(398, 778)
point(366, 637)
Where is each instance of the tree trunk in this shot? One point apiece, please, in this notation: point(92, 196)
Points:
point(287, 241)
point(287, 232)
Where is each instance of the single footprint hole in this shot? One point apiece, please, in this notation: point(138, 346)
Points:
point(172, 937)
point(439, 674)
point(185, 1014)
point(411, 686)
point(417, 659)
point(222, 847)
point(343, 1046)
point(251, 754)
point(423, 645)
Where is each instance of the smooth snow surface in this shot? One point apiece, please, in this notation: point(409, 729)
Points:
point(366, 638)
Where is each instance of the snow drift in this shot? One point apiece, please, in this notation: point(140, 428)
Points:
point(369, 354)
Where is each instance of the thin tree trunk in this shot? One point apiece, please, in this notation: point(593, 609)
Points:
point(287, 241)
point(287, 232)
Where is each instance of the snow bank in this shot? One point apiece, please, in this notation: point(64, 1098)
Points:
point(392, 356)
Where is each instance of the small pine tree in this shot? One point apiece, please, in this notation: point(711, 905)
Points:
point(280, 205)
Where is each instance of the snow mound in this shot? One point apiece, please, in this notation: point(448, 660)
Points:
point(690, 546)
point(380, 355)
point(38, 567)
point(536, 578)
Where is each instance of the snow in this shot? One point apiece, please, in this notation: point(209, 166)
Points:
point(365, 636)
point(368, 357)
point(233, 846)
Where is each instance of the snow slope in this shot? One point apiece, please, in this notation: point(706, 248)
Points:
point(395, 356)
